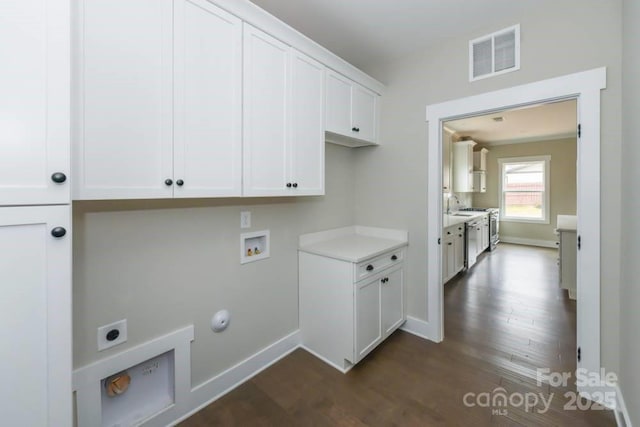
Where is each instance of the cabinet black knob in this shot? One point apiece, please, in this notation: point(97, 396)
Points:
point(394, 257)
point(295, 185)
point(289, 185)
point(369, 267)
point(448, 232)
point(58, 177)
point(449, 243)
point(168, 182)
point(355, 129)
point(58, 232)
point(459, 235)
point(179, 183)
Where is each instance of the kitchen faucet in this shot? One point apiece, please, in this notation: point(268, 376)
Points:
point(449, 200)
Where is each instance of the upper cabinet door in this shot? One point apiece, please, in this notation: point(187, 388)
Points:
point(208, 101)
point(338, 104)
point(34, 102)
point(307, 125)
point(266, 102)
point(364, 114)
point(123, 147)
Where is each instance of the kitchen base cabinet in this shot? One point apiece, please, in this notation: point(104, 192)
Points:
point(453, 249)
point(348, 306)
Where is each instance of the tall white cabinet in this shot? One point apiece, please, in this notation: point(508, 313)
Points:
point(35, 229)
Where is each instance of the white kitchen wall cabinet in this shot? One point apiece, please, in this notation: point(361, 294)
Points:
point(352, 112)
point(34, 100)
point(283, 119)
point(480, 159)
point(35, 243)
point(207, 146)
point(479, 182)
point(124, 136)
point(463, 166)
point(352, 294)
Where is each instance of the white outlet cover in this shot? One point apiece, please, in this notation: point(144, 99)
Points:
point(104, 343)
point(245, 219)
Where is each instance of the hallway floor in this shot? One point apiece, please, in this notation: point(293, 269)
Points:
point(503, 320)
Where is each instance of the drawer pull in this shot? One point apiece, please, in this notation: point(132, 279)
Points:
point(369, 267)
point(394, 257)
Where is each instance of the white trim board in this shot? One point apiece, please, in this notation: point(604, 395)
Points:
point(620, 411)
point(529, 242)
point(585, 87)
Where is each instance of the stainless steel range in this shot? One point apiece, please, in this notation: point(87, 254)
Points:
point(494, 224)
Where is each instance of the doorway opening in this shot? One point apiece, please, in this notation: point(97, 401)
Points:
point(585, 88)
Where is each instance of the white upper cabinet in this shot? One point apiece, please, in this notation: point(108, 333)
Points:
point(124, 145)
point(463, 166)
point(307, 126)
point(352, 112)
point(34, 102)
point(208, 101)
point(283, 119)
point(267, 74)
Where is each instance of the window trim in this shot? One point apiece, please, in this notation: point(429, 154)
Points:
point(516, 30)
point(546, 209)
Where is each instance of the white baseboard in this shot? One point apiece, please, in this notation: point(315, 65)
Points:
point(421, 328)
point(223, 383)
point(620, 411)
point(529, 242)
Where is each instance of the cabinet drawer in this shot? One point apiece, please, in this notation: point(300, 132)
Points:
point(374, 265)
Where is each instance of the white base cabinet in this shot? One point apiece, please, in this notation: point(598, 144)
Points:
point(342, 320)
point(35, 310)
point(452, 251)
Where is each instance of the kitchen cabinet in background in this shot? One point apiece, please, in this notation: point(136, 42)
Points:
point(352, 112)
point(480, 159)
point(463, 166)
point(479, 182)
point(453, 247)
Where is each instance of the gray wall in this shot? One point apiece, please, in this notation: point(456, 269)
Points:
point(391, 187)
point(562, 185)
point(630, 291)
point(166, 264)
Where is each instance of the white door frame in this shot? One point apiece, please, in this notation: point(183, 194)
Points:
point(585, 87)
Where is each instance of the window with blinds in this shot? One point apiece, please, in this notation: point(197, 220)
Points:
point(524, 189)
point(495, 54)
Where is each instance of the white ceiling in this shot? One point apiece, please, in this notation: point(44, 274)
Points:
point(365, 32)
point(537, 123)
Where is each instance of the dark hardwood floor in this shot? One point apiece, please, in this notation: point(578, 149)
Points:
point(503, 320)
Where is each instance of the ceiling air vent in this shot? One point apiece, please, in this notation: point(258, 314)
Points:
point(495, 54)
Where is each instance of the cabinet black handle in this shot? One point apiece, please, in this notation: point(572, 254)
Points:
point(179, 183)
point(448, 232)
point(289, 185)
point(394, 257)
point(168, 182)
point(459, 235)
point(385, 280)
point(58, 177)
point(58, 232)
point(355, 129)
point(295, 185)
point(478, 229)
point(449, 243)
point(369, 267)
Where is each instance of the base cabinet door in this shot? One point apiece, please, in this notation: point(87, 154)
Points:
point(36, 316)
point(459, 251)
point(392, 289)
point(368, 320)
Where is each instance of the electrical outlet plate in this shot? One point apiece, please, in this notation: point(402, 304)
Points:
point(120, 326)
point(245, 219)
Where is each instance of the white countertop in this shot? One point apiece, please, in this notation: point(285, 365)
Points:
point(451, 220)
point(567, 223)
point(353, 244)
